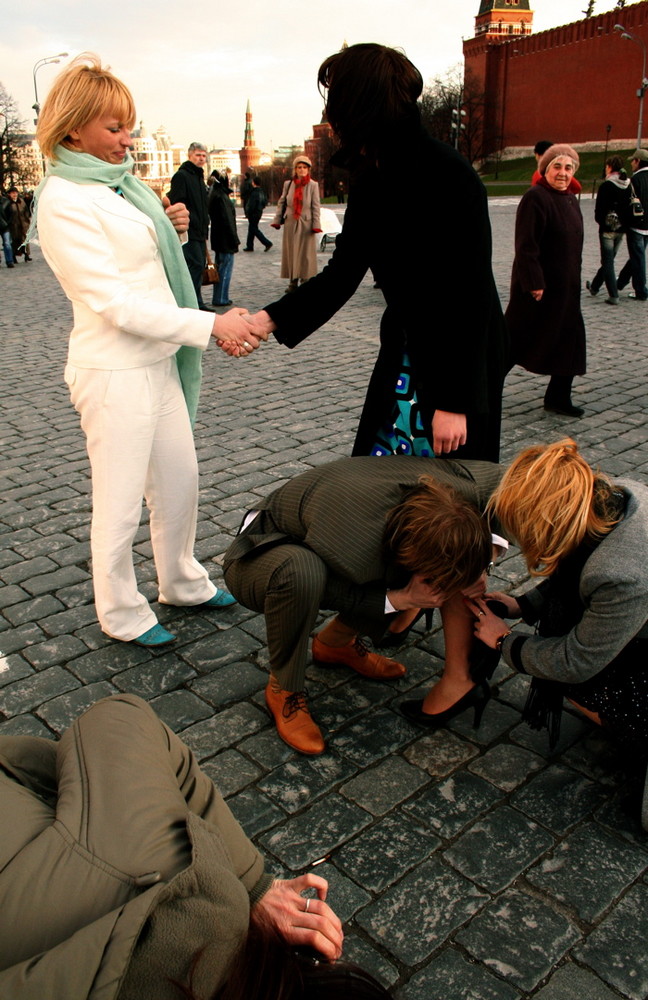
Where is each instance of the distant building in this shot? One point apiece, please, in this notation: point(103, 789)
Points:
point(156, 157)
point(249, 153)
point(319, 149)
point(26, 163)
point(575, 83)
point(225, 159)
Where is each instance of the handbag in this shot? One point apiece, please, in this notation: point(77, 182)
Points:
point(210, 274)
point(636, 207)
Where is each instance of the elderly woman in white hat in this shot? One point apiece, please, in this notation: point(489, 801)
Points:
point(298, 210)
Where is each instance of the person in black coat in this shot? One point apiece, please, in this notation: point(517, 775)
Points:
point(223, 235)
point(439, 253)
point(188, 187)
point(544, 315)
point(611, 212)
point(254, 205)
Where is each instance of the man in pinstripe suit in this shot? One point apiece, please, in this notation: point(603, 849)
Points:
point(364, 537)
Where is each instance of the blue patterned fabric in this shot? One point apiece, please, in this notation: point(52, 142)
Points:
point(403, 433)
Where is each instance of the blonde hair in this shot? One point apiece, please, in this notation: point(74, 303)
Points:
point(82, 92)
point(550, 500)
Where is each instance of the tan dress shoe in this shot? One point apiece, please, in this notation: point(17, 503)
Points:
point(356, 655)
point(294, 722)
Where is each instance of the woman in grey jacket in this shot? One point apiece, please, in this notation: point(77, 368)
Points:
point(589, 538)
point(123, 874)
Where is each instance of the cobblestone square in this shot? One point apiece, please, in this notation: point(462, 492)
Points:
point(468, 864)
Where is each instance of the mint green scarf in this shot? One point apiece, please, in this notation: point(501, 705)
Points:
point(81, 168)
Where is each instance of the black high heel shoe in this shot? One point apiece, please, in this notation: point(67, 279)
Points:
point(392, 640)
point(477, 698)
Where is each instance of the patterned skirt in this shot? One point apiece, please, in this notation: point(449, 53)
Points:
point(403, 433)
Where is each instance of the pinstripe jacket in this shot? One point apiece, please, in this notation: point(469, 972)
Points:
point(338, 510)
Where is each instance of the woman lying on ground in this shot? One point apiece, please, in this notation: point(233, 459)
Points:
point(124, 876)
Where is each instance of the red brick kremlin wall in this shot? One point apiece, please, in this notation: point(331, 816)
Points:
point(566, 84)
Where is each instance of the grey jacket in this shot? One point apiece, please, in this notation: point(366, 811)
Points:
point(614, 590)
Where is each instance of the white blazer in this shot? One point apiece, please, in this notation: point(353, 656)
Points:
point(105, 254)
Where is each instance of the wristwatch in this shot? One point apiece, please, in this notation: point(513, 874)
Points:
point(500, 640)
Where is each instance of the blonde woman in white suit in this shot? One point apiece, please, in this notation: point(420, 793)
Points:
point(135, 349)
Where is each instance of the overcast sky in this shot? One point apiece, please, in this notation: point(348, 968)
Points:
point(192, 64)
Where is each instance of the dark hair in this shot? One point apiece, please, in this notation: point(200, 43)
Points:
point(371, 90)
point(266, 967)
point(615, 162)
point(436, 532)
point(542, 146)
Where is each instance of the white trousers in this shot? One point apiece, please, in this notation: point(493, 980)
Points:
point(140, 446)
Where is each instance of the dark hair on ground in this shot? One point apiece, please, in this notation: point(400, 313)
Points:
point(371, 90)
point(266, 967)
point(436, 532)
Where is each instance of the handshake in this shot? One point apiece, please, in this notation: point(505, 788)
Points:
point(239, 332)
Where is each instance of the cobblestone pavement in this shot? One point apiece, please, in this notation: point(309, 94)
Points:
point(466, 863)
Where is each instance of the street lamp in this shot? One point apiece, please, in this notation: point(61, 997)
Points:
point(43, 62)
point(644, 82)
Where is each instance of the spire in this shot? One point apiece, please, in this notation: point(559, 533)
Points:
point(248, 137)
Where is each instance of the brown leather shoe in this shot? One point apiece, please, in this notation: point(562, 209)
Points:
point(294, 722)
point(357, 656)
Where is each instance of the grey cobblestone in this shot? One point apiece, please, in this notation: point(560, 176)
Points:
point(392, 808)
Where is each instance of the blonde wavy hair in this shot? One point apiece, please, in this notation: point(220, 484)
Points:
point(82, 92)
point(550, 500)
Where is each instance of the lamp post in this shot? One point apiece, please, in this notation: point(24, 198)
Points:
point(43, 62)
point(644, 83)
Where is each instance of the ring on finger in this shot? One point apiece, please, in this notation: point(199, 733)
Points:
point(482, 614)
point(306, 908)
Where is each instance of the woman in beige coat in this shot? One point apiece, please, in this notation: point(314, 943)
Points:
point(298, 210)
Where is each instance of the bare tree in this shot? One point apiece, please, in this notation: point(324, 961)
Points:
point(452, 110)
point(589, 10)
point(11, 125)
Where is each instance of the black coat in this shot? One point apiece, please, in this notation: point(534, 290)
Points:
point(547, 337)
point(431, 256)
point(612, 196)
point(188, 186)
point(223, 235)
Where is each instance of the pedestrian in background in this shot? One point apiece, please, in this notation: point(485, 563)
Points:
point(298, 211)
point(188, 188)
point(611, 213)
point(256, 202)
point(18, 217)
point(5, 235)
point(223, 236)
point(544, 314)
point(637, 229)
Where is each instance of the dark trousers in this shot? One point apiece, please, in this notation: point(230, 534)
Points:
point(253, 230)
point(194, 254)
point(290, 584)
point(635, 266)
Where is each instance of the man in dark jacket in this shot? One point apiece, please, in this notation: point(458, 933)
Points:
point(5, 235)
point(368, 538)
point(188, 186)
point(256, 202)
point(637, 232)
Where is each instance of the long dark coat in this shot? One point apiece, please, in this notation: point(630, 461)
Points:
point(431, 256)
point(547, 337)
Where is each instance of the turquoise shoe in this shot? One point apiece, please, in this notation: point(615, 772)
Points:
point(156, 636)
point(221, 599)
